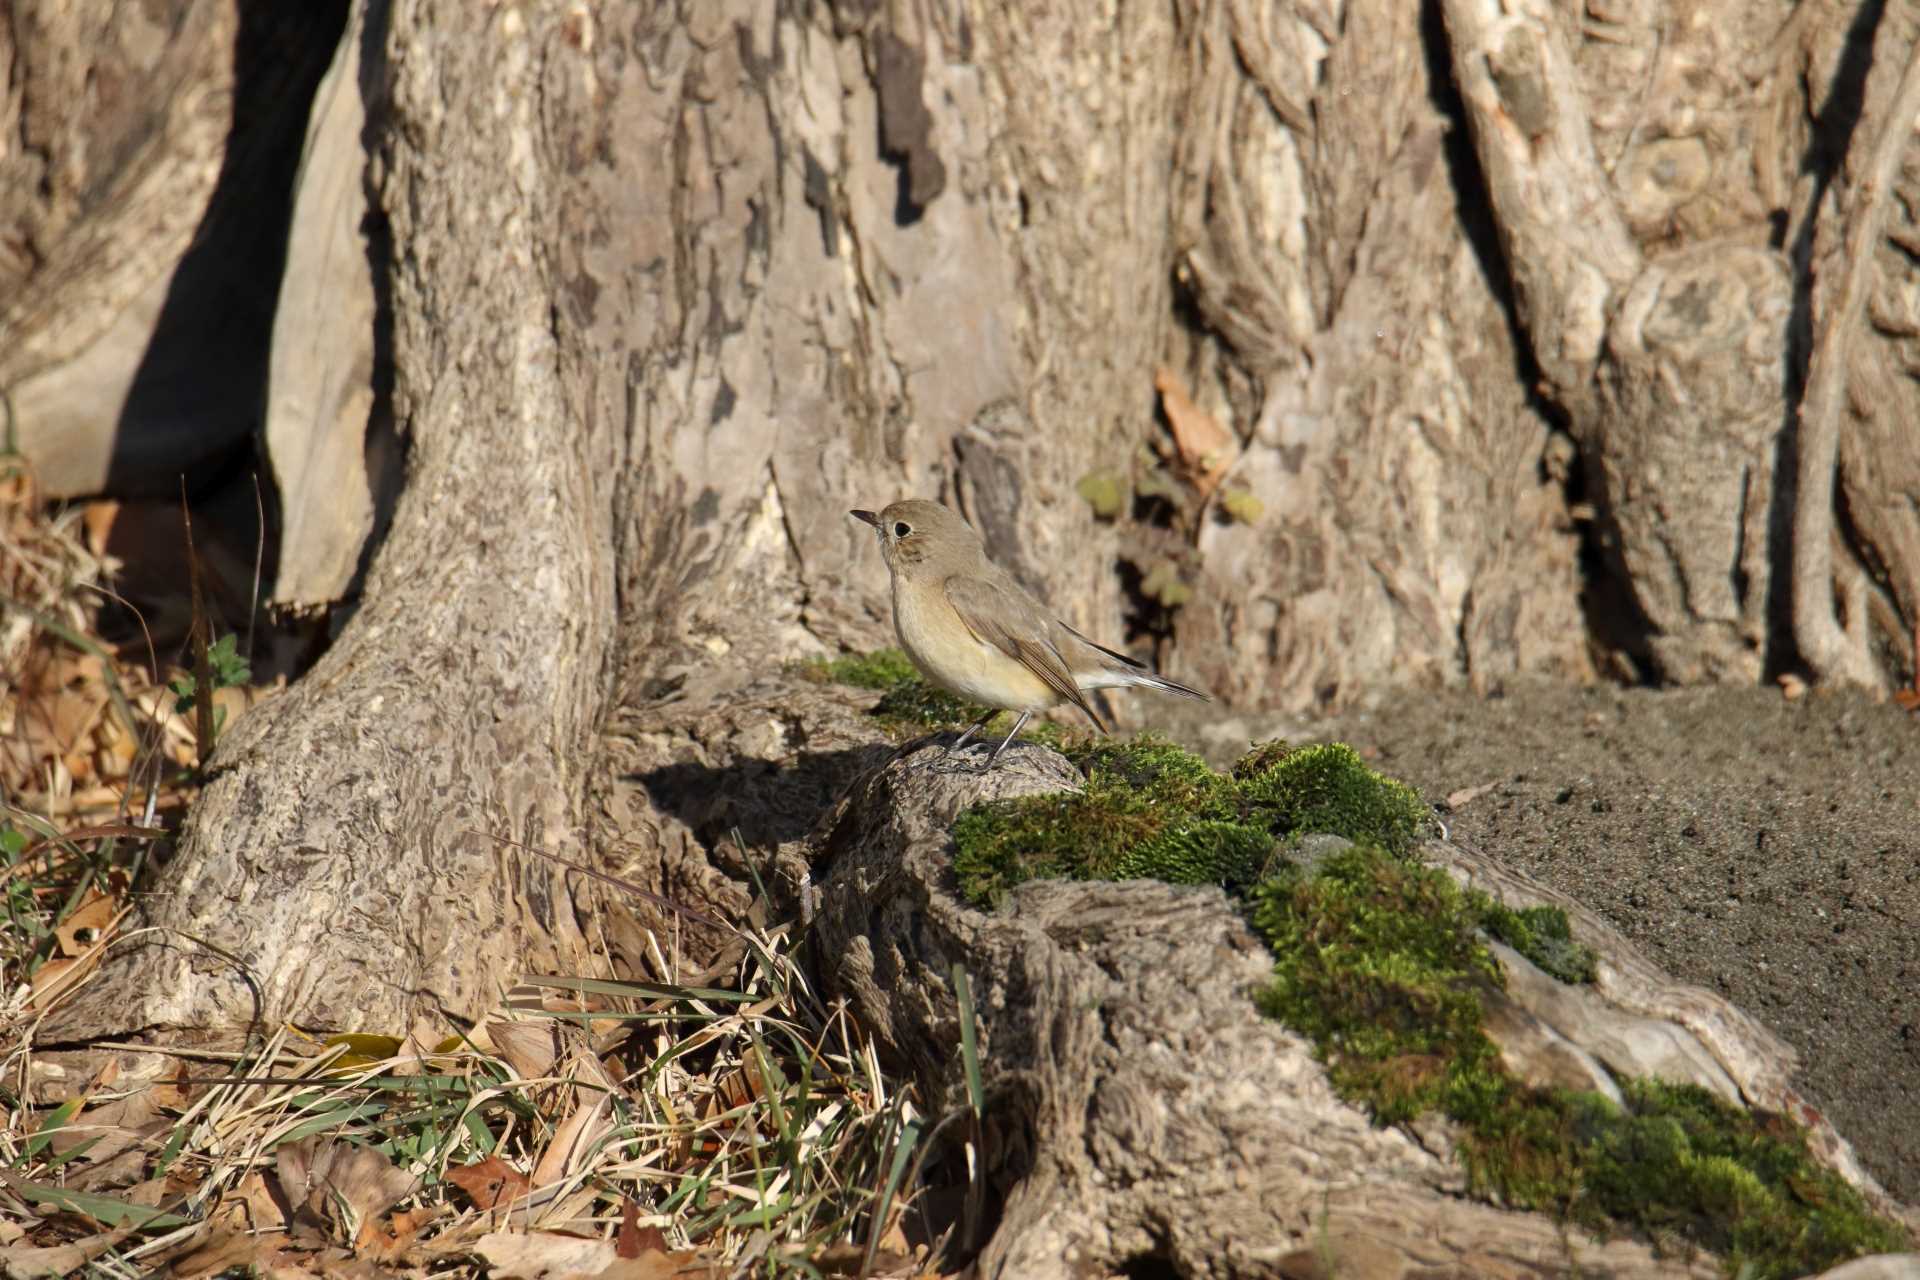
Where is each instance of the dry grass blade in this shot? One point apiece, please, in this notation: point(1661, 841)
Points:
point(739, 1127)
point(732, 1124)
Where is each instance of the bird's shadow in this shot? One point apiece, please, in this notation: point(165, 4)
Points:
point(761, 803)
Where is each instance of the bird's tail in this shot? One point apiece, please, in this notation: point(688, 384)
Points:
point(1122, 672)
point(1154, 680)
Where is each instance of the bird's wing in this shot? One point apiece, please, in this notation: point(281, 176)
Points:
point(1120, 658)
point(1004, 616)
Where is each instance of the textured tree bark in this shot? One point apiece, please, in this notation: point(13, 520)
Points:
point(669, 293)
point(663, 307)
point(1637, 165)
point(1856, 563)
point(1363, 352)
point(326, 425)
point(670, 290)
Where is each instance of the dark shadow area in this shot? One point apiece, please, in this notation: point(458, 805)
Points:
point(1146, 618)
point(1477, 222)
point(187, 433)
point(758, 804)
point(1150, 1266)
point(1616, 624)
point(196, 399)
point(194, 413)
point(906, 126)
point(764, 803)
point(945, 1217)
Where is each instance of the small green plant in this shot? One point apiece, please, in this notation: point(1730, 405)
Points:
point(1104, 491)
point(26, 923)
point(1541, 934)
point(229, 671)
point(747, 1121)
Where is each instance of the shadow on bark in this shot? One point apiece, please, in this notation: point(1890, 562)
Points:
point(197, 397)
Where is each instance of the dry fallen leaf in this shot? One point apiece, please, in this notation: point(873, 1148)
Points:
point(530, 1047)
point(394, 1236)
point(574, 1140)
point(252, 1207)
point(224, 1251)
point(547, 1255)
point(1206, 448)
point(95, 915)
point(60, 975)
point(175, 1091)
point(633, 1240)
point(1457, 800)
point(61, 1260)
point(490, 1183)
point(338, 1186)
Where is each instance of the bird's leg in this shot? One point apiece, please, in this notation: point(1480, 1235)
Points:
point(1004, 741)
point(972, 729)
point(938, 763)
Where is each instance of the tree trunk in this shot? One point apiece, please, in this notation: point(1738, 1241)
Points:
point(663, 296)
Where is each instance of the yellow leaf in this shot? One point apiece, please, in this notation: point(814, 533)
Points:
point(1104, 491)
point(1241, 505)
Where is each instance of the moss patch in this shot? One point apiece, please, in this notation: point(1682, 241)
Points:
point(1381, 963)
point(883, 669)
point(1151, 810)
point(1541, 934)
point(1378, 962)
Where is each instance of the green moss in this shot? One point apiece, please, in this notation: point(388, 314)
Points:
point(1142, 801)
point(1377, 961)
point(1541, 934)
point(1151, 810)
point(1329, 788)
point(883, 669)
point(1381, 963)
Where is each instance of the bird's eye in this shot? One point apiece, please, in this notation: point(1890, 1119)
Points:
point(901, 529)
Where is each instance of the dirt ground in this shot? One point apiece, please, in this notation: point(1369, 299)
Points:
point(1763, 848)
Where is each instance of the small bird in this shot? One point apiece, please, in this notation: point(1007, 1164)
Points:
point(980, 635)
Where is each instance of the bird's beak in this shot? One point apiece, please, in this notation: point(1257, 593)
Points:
point(867, 516)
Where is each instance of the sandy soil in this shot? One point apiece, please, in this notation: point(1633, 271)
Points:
point(1767, 849)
